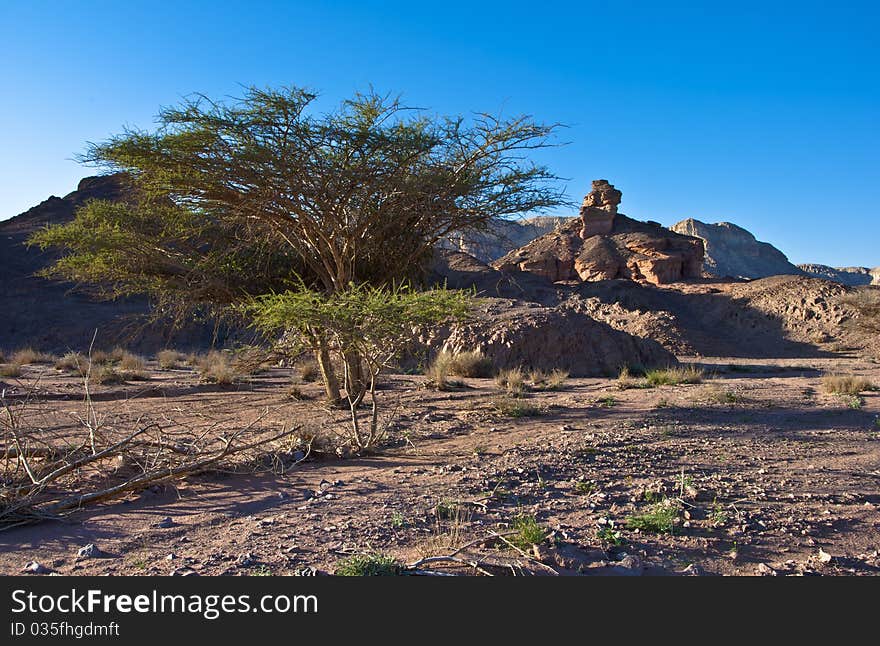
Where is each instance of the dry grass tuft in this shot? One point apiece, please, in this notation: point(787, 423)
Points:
point(846, 384)
point(216, 368)
point(27, 356)
point(169, 359)
point(73, 361)
point(674, 376)
point(512, 381)
point(553, 380)
point(132, 362)
point(11, 369)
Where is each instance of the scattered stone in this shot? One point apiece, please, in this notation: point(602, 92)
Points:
point(824, 557)
point(765, 570)
point(184, 571)
point(165, 523)
point(35, 567)
point(247, 560)
point(693, 570)
point(90, 551)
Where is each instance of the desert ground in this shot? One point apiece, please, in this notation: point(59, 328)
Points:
point(762, 471)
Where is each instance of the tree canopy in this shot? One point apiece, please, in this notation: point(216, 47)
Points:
point(232, 198)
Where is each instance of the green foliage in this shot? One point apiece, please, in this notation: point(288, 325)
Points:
point(659, 518)
point(674, 376)
point(233, 198)
point(369, 565)
point(610, 535)
point(528, 532)
point(512, 406)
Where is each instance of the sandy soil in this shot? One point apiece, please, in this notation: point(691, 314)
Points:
point(773, 476)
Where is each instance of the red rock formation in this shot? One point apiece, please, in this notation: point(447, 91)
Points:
point(603, 245)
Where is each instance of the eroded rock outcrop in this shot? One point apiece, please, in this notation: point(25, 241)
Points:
point(733, 252)
point(603, 244)
point(851, 276)
point(521, 335)
point(502, 236)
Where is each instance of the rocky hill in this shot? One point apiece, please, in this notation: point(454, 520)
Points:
point(53, 316)
point(603, 244)
point(733, 252)
point(503, 236)
point(852, 276)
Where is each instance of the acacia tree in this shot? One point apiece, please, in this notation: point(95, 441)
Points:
point(229, 199)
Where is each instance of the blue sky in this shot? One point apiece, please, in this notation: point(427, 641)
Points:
point(762, 114)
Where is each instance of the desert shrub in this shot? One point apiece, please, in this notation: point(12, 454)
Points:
point(512, 381)
point(846, 384)
point(553, 380)
point(470, 364)
point(169, 359)
point(106, 375)
point(2, 357)
point(625, 379)
point(674, 376)
point(11, 369)
point(73, 361)
point(132, 362)
point(510, 406)
point(369, 565)
point(100, 357)
point(216, 368)
point(27, 356)
point(714, 394)
point(438, 372)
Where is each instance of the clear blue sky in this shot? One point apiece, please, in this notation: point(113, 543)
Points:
point(762, 114)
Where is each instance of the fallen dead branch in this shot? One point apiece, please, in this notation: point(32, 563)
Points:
point(44, 475)
point(481, 564)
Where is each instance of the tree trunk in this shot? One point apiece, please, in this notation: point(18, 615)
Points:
point(355, 384)
point(328, 374)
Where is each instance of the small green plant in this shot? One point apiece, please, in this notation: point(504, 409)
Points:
point(717, 515)
point(610, 535)
point(261, 570)
point(369, 565)
point(686, 487)
point(447, 510)
point(398, 520)
point(528, 532)
point(584, 488)
point(607, 402)
point(659, 518)
point(854, 401)
point(674, 376)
